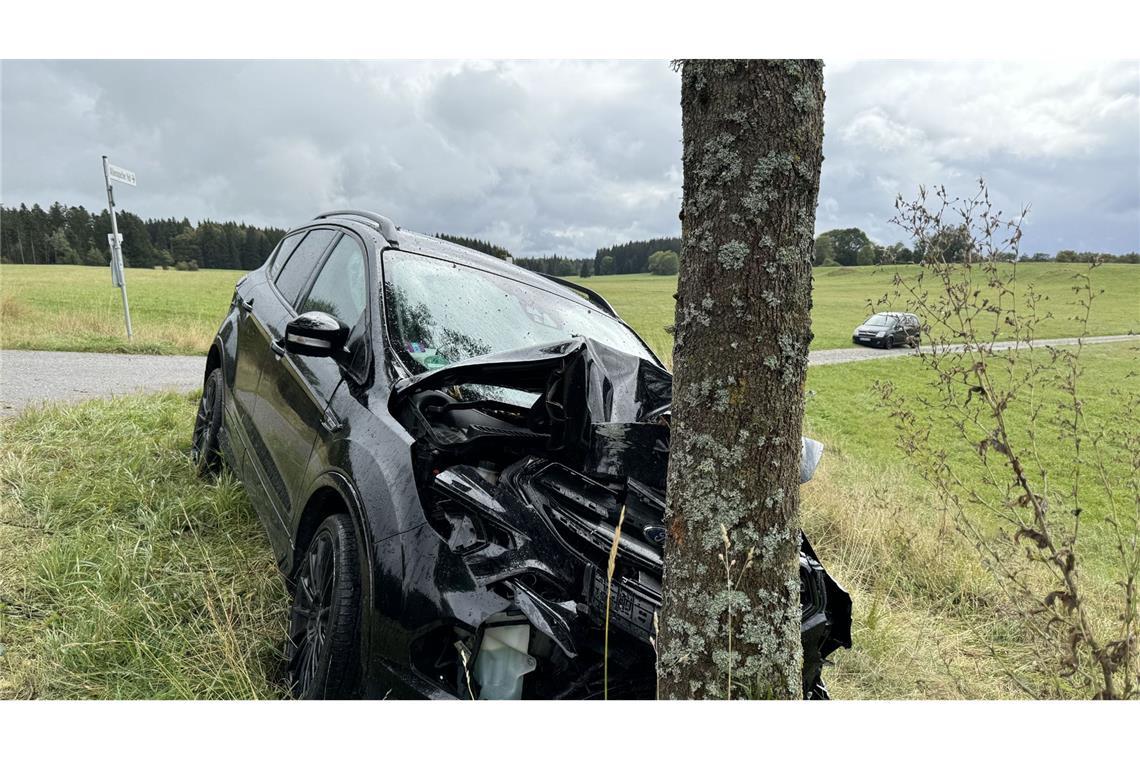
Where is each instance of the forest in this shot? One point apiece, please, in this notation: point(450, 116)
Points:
point(73, 235)
point(64, 234)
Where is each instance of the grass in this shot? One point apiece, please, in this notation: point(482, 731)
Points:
point(840, 296)
point(929, 623)
point(72, 308)
point(123, 576)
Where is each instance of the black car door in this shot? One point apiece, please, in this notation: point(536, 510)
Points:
point(270, 311)
point(294, 393)
point(252, 295)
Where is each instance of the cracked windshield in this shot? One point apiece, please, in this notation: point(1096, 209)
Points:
point(439, 313)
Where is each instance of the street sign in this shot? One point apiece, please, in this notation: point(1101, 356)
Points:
point(120, 174)
point(116, 258)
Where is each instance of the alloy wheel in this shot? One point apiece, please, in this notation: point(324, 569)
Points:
point(312, 610)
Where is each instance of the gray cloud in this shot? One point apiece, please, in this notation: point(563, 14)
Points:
point(556, 157)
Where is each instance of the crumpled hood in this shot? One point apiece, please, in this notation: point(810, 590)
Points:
point(581, 383)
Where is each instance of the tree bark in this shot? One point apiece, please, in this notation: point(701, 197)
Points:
point(753, 145)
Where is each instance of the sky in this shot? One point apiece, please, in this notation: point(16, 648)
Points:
point(558, 157)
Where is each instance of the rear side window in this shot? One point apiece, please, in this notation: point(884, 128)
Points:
point(341, 288)
point(295, 273)
point(283, 250)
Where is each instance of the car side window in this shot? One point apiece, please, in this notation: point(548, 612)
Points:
point(341, 288)
point(284, 248)
point(295, 273)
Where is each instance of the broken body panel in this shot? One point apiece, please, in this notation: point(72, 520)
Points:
point(525, 462)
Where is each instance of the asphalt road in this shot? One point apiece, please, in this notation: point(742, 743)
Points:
point(29, 377)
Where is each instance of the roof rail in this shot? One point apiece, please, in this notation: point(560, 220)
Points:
point(382, 223)
point(591, 295)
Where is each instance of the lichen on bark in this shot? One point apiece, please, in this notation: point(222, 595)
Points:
point(753, 133)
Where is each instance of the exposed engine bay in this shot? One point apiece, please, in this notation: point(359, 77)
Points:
point(523, 462)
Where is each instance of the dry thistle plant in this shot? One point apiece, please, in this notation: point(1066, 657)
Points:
point(1040, 488)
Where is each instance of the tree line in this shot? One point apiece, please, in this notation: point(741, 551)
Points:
point(849, 247)
point(73, 235)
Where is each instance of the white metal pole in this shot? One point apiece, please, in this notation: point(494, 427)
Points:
point(116, 249)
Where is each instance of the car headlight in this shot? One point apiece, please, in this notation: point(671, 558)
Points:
point(880, 333)
point(810, 453)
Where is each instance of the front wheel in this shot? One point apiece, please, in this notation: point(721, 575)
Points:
point(889, 343)
point(204, 448)
point(323, 647)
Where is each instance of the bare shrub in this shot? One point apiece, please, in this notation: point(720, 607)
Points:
point(1048, 495)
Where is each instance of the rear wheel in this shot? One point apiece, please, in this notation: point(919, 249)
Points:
point(323, 647)
point(204, 448)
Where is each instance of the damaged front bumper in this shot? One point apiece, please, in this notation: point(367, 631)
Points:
point(522, 505)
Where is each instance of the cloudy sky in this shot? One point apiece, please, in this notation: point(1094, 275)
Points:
point(557, 157)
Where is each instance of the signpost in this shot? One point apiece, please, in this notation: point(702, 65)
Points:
point(112, 172)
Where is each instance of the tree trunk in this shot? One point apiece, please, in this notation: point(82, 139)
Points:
point(753, 145)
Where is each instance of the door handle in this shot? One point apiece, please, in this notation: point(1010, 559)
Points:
point(278, 347)
point(244, 305)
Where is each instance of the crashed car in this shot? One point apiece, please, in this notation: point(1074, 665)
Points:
point(439, 445)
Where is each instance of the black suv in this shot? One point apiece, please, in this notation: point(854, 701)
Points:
point(888, 329)
point(439, 444)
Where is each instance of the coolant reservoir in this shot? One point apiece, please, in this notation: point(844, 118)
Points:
point(503, 661)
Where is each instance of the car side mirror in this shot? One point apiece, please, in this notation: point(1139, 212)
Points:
point(315, 333)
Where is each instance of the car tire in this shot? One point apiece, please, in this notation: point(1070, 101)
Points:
point(204, 447)
point(323, 649)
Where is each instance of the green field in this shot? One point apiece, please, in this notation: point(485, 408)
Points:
point(122, 575)
point(77, 309)
point(840, 296)
point(878, 526)
point(73, 308)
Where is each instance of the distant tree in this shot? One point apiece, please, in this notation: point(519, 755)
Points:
point(843, 245)
point(897, 254)
point(587, 269)
point(184, 246)
point(950, 244)
point(96, 257)
point(633, 257)
point(606, 266)
point(59, 250)
point(824, 250)
point(664, 262)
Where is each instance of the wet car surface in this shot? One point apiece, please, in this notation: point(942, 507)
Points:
point(441, 446)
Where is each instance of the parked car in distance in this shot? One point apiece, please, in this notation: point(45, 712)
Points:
point(440, 445)
point(888, 329)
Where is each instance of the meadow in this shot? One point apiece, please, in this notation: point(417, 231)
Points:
point(124, 576)
point(69, 308)
point(75, 308)
point(841, 298)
